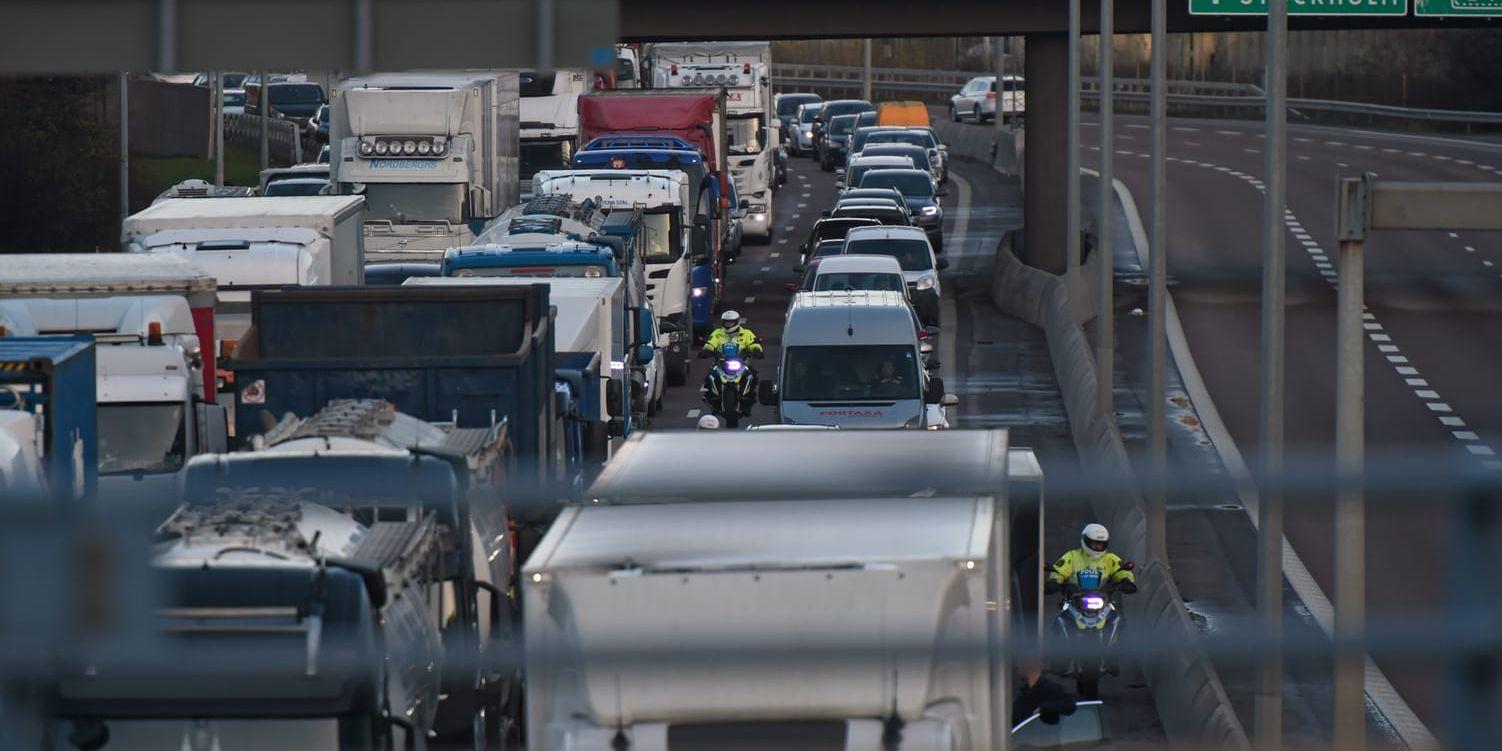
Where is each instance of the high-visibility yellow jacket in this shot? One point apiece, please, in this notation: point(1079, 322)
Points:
point(1071, 563)
point(742, 336)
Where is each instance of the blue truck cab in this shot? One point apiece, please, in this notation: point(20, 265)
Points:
point(47, 386)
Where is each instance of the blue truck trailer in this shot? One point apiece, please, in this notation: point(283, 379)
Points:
point(47, 389)
point(471, 356)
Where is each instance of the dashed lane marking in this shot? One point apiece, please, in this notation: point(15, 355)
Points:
point(750, 299)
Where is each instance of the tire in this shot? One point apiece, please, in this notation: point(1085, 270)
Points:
point(953, 115)
point(1087, 683)
point(730, 405)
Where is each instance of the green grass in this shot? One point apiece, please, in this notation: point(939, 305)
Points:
point(149, 176)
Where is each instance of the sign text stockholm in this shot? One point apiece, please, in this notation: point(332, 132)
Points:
point(1304, 7)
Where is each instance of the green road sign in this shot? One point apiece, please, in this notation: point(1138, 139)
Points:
point(1455, 7)
point(1320, 7)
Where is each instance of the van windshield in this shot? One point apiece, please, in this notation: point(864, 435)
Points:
point(850, 372)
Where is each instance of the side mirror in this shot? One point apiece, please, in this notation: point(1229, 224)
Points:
point(839, 174)
point(669, 326)
point(699, 240)
point(644, 353)
point(950, 400)
point(931, 330)
point(643, 321)
point(935, 393)
point(745, 203)
point(943, 148)
point(943, 264)
point(925, 348)
point(942, 192)
point(766, 393)
point(931, 363)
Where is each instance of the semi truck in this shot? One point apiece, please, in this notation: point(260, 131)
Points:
point(434, 154)
point(255, 243)
point(48, 442)
point(855, 587)
point(674, 240)
point(549, 120)
point(603, 347)
point(412, 347)
point(149, 315)
point(743, 70)
point(313, 599)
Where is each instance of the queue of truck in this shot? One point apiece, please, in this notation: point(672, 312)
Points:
point(441, 534)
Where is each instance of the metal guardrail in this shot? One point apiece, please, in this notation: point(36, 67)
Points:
point(284, 137)
point(1180, 93)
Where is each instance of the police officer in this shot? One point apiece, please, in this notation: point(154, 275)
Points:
point(1091, 555)
point(731, 330)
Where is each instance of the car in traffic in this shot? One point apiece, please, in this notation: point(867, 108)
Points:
point(802, 130)
point(924, 137)
point(977, 99)
point(858, 167)
point(920, 269)
point(231, 80)
point(921, 195)
point(836, 142)
point(234, 101)
point(318, 124)
point(829, 228)
point(832, 109)
point(294, 100)
point(905, 114)
point(894, 202)
point(835, 273)
point(787, 106)
point(881, 211)
point(916, 155)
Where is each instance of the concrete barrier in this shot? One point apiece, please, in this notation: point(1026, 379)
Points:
point(1187, 692)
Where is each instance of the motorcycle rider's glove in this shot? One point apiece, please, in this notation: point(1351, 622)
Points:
point(1070, 589)
point(1126, 586)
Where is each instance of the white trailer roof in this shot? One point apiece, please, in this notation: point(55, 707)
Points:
point(73, 274)
point(738, 51)
point(321, 213)
point(769, 535)
point(680, 466)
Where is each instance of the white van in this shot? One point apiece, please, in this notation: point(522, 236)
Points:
point(853, 359)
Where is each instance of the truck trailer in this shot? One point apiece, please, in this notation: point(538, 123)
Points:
point(434, 154)
point(857, 588)
point(549, 120)
point(48, 443)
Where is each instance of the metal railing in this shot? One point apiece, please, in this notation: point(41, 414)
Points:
point(1212, 94)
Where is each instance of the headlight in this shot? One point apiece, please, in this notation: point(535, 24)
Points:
point(700, 291)
point(409, 148)
point(930, 210)
point(366, 148)
point(593, 272)
point(440, 146)
point(424, 148)
point(914, 423)
point(380, 148)
point(465, 272)
point(926, 282)
point(735, 80)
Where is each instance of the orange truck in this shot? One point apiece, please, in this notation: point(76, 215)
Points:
point(905, 114)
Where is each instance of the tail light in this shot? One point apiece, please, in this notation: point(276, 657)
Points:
point(673, 70)
point(154, 334)
point(746, 69)
point(226, 378)
point(923, 335)
point(990, 95)
point(3, 332)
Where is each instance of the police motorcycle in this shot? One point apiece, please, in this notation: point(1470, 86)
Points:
point(730, 387)
point(1090, 615)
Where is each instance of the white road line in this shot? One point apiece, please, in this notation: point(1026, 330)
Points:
point(1480, 450)
point(766, 268)
point(1488, 264)
point(1442, 157)
point(1378, 688)
point(1415, 382)
point(783, 241)
point(1138, 126)
point(1451, 421)
point(775, 254)
point(756, 282)
point(1302, 158)
point(1386, 348)
point(1252, 151)
point(1342, 164)
point(1229, 132)
point(804, 205)
point(1452, 234)
point(1465, 435)
point(1190, 143)
point(693, 414)
point(750, 300)
point(1184, 129)
point(1470, 249)
point(1335, 143)
point(1417, 153)
point(1304, 140)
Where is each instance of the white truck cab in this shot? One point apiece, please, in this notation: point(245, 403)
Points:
point(153, 414)
point(743, 70)
point(666, 202)
point(549, 120)
point(853, 359)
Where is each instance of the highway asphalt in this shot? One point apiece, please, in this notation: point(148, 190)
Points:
point(997, 365)
point(1434, 320)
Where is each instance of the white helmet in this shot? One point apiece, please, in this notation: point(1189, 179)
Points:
point(1094, 539)
point(730, 319)
point(709, 422)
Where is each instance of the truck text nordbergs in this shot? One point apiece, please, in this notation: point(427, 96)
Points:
point(150, 314)
point(435, 155)
point(784, 593)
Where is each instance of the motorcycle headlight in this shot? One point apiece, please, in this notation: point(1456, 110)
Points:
point(700, 291)
point(930, 210)
point(1093, 602)
point(733, 366)
point(926, 282)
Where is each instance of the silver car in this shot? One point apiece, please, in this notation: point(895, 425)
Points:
point(803, 129)
point(977, 99)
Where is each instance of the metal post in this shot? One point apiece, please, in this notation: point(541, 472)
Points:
point(218, 128)
point(545, 20)
point(364, 35)
point(263, 102)
point(1105, 320)
point(1269, 703)
point(166, 36)
point(1350, 444)
point(866, 56)
point(1157, 291)
point(1003, 47)
point(1072, 159)
point(124, 147)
